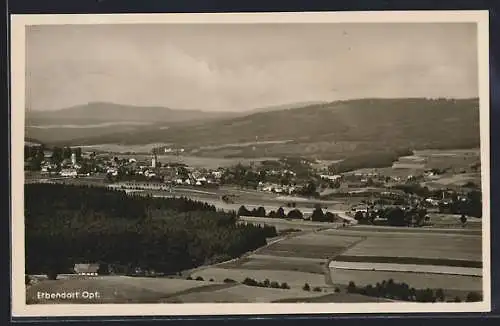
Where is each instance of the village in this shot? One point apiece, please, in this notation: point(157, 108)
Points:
point(367, 192)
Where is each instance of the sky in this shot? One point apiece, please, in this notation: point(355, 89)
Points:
point(237, 67)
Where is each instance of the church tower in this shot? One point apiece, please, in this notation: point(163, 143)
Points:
point(154, 159)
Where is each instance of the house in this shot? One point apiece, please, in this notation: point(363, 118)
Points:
point(69, 173)
point(87, 269)
point(330, 177)
point(217, 174)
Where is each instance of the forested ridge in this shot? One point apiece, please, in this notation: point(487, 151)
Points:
point(76, 224)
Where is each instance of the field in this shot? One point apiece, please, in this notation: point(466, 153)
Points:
point(294, 279)
point(308, 257)
point(242, 294)
point(304, 257)
point(457, 166)
point(315, 245)
point(416, 280)
point(429, 246)
point(118, 289)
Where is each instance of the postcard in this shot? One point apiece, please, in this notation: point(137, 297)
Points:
point(250, 164)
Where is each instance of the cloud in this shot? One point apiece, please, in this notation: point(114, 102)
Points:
point(246, 67)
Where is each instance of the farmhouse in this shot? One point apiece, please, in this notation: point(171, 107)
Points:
point(87, 269)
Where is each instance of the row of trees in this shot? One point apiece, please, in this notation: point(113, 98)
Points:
point(402, 291)
point(266, 284)
point(74, 224)
point(318, 215)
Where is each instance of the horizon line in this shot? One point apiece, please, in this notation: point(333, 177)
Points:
point(318, 102)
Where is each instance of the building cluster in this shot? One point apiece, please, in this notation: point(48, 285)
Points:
point(67, 168)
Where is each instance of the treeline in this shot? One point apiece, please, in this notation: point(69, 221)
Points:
point(378, 159)
point(317, 215)
point(72, 224)
point(402, 291)
point(471, 205)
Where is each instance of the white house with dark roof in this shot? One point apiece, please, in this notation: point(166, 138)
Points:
point(87, 269)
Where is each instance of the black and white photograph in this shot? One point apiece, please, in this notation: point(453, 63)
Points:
point(250, 163)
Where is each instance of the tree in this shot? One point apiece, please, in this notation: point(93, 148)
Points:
point(440, 295)
point(474, 204)
point(318, 215)
point(280, 213)
point(295, 214)
point(330, 217)
point(358, 216)
point(274, 285)
point(463, 220)
point(306, 287)
point(261, 212)
point(473, 297)
point(309, 190)
point(351, 287)
point(66, 152)
point(243, 211)
point(78, 153)
point(396, 217)
point(57, 155)
point(285, 286)
point(52, 275)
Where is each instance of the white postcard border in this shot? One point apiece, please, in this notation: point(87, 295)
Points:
point(18, 23)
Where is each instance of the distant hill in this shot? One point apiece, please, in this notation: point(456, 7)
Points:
point(283, 107)
point(418, 123)
point(99, 119)
point(99, 112)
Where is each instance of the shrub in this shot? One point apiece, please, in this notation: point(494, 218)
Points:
point(189, 278)
point(317, 289)
point(275, 285)
point(199, 278)
point(266, 283)
point(285, 286)
point(337, 290)
point(228, 280)
point(457, 299)
point(250, 282)
point(306, 287)
point(211, 280)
